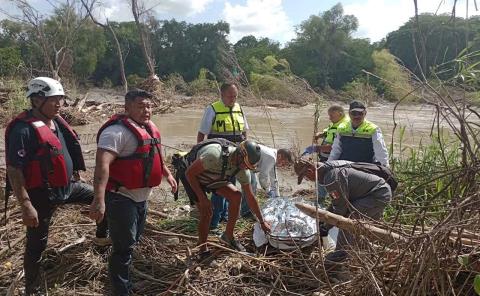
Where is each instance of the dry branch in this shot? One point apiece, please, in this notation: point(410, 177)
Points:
point(353, 226)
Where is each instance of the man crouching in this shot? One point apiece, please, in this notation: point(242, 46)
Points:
point(211, 164)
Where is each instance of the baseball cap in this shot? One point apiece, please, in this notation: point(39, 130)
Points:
point(357, 106)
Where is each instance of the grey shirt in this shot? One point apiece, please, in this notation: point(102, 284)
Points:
point(345, 185)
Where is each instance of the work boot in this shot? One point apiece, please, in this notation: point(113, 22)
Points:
point(102, 241)
point(232, 243)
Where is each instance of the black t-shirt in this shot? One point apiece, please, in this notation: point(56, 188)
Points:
point(22, 145)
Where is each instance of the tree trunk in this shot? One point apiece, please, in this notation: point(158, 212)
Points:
point(143, 40)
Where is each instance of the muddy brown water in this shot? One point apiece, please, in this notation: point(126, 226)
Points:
point(281, 127)
point(276, 127)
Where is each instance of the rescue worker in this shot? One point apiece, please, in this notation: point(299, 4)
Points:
point(266, 170)
point(211, 166)
point(128, 164)
point(355, 194)
point(223, 119)
point(360, 140)
point(337, 116)
point(43, 156)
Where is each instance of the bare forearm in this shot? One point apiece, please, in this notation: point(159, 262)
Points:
point(100, 180)
point(17, 181)
point(166, 171)
point(200, 137)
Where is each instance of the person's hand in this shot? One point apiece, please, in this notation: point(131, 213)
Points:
point(304, 169)
point(318, 136)
point(77, 177)
point(29, 214)
point(322, 229)
point(97, 210)
point(205, 207)
point(266, 227)
point(271, 194)
point(173, 183)
point(310, 149)
point(326, 148)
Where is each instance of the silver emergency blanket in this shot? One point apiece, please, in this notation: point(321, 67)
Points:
point(290, 227)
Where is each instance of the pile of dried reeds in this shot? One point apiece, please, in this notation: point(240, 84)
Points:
point(73, 266)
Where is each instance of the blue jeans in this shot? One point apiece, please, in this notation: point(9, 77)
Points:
point(126, 219)
point(244, 208)
point(220, 207)
point(37, 237)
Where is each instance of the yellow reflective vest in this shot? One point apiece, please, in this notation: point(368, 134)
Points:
point(228, 123)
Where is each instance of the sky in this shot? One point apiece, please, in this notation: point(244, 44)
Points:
point(275, 19)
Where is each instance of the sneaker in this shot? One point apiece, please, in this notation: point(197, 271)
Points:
point(102, 241)
point(215, 231)
point(233, 243)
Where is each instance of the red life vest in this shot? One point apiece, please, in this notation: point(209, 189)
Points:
point(144, 168)
point(47, 167)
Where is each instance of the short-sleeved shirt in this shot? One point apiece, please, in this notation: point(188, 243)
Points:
point(22, 146)
point(119, 139)
point(207, 121)
point(212, 161)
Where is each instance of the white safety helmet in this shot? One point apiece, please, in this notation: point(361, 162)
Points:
point(44, 87)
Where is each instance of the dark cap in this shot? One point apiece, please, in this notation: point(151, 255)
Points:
point(136, 92)
point(357, 106)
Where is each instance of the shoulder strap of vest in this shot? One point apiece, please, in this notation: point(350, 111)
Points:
point(224, 143)
point(371, 168)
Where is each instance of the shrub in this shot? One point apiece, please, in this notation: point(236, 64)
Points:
point(202, 85)
point(395, 83)
point(361, 90)
point(134, 80)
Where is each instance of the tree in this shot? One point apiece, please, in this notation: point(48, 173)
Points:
point(320, 44)
point(10, 60)
point(438, 39)
point(395, 83)
point(54, 36)
point(138, 12)
point(186, 48)
point(114, 36)
point(249, 47)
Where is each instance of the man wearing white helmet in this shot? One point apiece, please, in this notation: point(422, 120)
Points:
point(42, 154)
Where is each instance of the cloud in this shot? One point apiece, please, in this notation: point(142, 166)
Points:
point(261, 18)
point(379, 17)
point(121, 10)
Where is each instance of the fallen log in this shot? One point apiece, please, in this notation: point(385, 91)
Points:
point(352, 226)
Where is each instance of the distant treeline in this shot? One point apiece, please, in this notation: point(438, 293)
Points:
point(324, 51)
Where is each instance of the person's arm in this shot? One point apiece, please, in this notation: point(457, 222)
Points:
point(206, 123)
point(17, 181)
point(263, 177)
point(100, 179)
point(336, 189)
point(266, 175)
point(336, 149)
point(274, 182)
point(200, 137)
point(168, 175)
point(246, 127)
point(379, 148)
point(192, 173)
point(253, 205)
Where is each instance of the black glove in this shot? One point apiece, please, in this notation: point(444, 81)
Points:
point(322, 229)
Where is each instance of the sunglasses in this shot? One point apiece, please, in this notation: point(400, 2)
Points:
point(356, 113)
